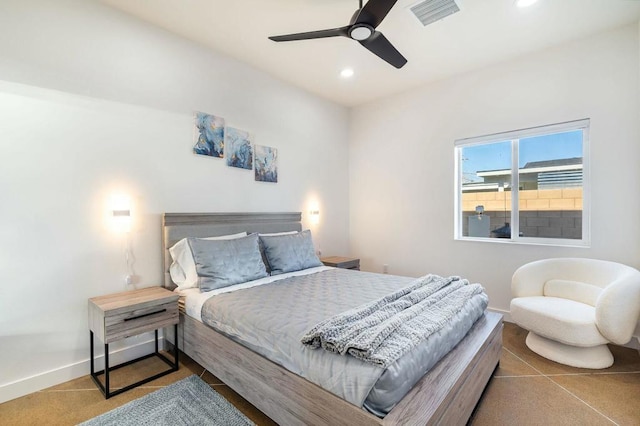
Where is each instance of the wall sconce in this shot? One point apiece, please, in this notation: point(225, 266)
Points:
point(315, 216)
point(120, 217)
point(121, 213)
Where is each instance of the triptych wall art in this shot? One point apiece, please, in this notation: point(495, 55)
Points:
point(214, 139)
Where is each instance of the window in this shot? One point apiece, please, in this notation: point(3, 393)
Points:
point(527, 186)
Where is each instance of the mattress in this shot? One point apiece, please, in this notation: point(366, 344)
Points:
point(271, 315)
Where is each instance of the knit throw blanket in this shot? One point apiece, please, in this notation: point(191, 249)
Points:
point(382, 331)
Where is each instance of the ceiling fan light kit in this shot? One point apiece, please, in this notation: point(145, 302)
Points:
point(362, 28)
point(360, 32)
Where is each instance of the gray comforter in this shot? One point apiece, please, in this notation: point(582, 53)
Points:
point(382, 331)
point(272, 318)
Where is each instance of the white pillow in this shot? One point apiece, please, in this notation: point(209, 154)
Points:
point(183, 268)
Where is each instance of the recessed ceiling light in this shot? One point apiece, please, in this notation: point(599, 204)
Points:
point(525, 3)
point(346, 73)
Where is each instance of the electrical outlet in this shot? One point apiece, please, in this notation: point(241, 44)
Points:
point(385, 269)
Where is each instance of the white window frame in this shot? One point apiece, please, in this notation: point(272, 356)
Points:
point(514, 136)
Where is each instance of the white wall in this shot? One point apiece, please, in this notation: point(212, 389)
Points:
point(401, 159)
point(93, 102)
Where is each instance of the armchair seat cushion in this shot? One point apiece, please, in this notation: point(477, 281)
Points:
point(563, 320)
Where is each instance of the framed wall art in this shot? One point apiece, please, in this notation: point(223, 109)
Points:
point(239, 152)
point(209, 135)
point(266, 164)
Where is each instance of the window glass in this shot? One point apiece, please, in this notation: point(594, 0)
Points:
point(525, 186)
point(550, 178)
point(486, 190)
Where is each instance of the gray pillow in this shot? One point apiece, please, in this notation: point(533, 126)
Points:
point(221, 263)
point(288, 253)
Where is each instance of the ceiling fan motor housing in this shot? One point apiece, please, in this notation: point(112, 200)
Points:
point(364, 18)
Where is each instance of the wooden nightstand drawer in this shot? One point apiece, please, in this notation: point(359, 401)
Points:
point(116, 316)
point(139, 321)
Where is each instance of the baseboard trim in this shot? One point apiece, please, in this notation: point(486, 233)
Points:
point(63, 374)
point(506, 315)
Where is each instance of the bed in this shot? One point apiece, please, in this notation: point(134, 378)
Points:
point(447, 394)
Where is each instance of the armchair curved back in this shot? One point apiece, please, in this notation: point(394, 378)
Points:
point(618, 308)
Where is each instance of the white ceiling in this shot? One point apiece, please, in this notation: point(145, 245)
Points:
point(483, 33)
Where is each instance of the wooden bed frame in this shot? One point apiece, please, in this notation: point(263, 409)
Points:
point(447, 394)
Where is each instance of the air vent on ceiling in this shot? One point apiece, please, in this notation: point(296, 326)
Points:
point(430, 11)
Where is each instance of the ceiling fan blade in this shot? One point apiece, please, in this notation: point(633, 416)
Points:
point(335, 32)
point(374, 12)
point(380, 46)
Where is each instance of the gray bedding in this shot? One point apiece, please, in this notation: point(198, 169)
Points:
point(272, 318)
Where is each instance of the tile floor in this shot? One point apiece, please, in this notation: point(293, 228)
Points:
point(526, 390)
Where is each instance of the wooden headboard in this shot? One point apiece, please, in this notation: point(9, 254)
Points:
point(176, 226)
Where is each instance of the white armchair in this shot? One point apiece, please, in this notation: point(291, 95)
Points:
point(574, 307)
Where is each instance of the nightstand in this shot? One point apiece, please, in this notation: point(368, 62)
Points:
point(342, 262)
point(116, 316)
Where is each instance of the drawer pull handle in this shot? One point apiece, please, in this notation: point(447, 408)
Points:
point(145, 315)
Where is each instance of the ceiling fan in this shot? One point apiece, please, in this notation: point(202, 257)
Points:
point(362, 28)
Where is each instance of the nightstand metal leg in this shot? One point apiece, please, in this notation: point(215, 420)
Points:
point(176, 351)
point(107, 394)
point(91, 346)
point(94, 375)
point(106, 390)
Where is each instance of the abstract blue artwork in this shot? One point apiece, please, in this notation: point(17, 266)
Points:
point(209, 135)
point(238, 147)
point(266, 164)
